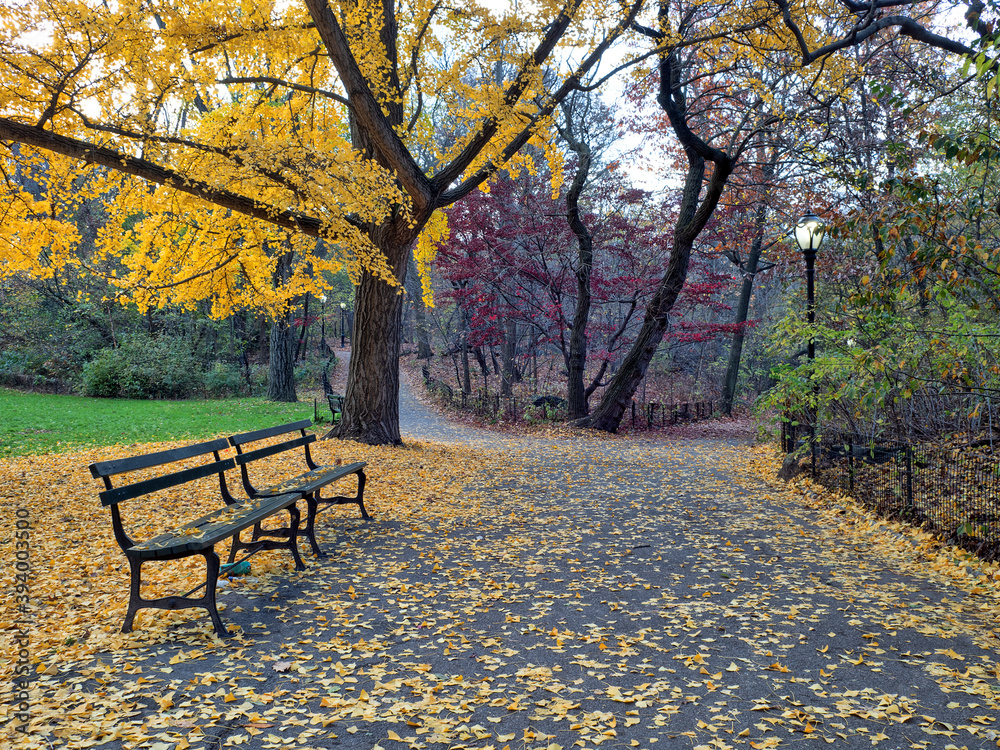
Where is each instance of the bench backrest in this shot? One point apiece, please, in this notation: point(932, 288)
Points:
point(269, 432)
point(244, 457)
point(107, 469)
point(113, 495)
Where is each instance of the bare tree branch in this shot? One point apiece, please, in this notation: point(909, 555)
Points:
point(287, 84)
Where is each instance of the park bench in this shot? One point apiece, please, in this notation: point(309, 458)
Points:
point(197, 537)
point(336, 402)
point(307, 484)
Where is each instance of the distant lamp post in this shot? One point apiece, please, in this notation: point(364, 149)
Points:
point(809, 233)
point(343, 309)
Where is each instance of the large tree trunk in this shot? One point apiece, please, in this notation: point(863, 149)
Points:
point(697, 205)
point(371, 399)
point(466, 373)
point(623, 385)
point(749, 270)
point(281, 368)
point(690, 222)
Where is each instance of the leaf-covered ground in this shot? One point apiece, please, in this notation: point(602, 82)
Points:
point(566, 591)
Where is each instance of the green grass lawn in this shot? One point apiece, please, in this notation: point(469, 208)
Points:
point(40, 423)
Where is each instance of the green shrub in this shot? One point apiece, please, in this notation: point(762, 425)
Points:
point(223, 380)
point(143, 367)
point(102, 374)
point(257, 380)
point(14, 363)
point(309, 372)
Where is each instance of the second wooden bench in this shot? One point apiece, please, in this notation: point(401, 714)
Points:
point(308, 483)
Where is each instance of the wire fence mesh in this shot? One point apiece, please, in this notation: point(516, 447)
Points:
point(954, 492)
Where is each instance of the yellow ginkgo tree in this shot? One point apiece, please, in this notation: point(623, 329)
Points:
point(242, 149)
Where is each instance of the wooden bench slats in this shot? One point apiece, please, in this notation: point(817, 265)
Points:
point(130, 491)
point(212, 528)
point(268, 432)
point(312, 480)
point(271, 450)
point(102, 469)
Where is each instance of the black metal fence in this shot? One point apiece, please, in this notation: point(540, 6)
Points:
point(482, 402)
point(655, 414)
point(485, 404)
point(644, 416)
point(953, 492)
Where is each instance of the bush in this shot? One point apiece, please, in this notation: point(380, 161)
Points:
point(309, 373)
point(257, 380)
point(143, 367)
point(13, 366)
point(223, 380)
point(102, 374)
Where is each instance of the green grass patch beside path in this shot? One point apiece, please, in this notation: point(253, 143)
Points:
point(39, 423)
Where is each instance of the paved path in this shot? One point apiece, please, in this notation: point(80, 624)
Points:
point(420, 421)
point(590, 592)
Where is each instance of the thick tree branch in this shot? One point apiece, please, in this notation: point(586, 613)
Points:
point(367, 111)
point(287, 84)
point(514, 92)
point(226, 153)
point(572, 83)
point(864, 31)
point(90, 153)
point(222, 39)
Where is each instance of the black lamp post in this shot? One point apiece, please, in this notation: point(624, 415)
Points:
point(343, 307)
point(809, 233)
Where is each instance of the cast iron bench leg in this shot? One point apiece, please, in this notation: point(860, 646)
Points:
point(135, 569)
point(358, 499)
point(361, 495)
point(207, 601)
point(293, 535)
point(313, 500)
point(310, 527)
point(257, 542)
point(211, 582)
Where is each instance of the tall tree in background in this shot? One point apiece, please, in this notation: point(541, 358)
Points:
point(709, 62)
point(748, 266)
point(588, 128)
point(513, 262)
